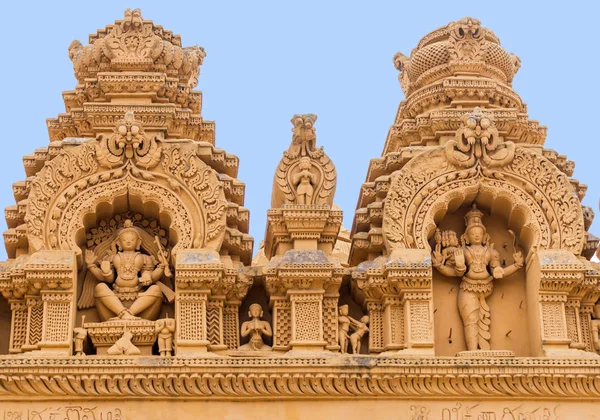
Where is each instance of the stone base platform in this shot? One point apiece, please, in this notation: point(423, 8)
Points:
point(105, 334)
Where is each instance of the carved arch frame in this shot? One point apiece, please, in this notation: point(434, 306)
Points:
point(423, 189)
point(73, 183)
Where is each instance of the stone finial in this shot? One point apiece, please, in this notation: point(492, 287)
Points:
point(305, 175)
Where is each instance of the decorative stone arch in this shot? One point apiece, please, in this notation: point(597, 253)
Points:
point(541, 203)
point(71, 186)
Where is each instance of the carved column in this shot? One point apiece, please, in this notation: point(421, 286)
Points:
point(207, 298)
point(214, 323)
point(418, 313)
point(554, 273)
point(282, 322)
point(18, 325)
point(330, 321)
point(55, 274)
point(393, 323)
point(375, 312)
point(190, 312)
point(307, 319)
point(585, 318)
point(35, 321)
point(573, 323)
point(231, 322)
point(398, 297)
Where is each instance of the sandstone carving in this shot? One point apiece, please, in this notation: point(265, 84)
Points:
point(305, 174)
point(478, 263)
point(165, 328)
point(255, 329)
point(467, 275)
point(124, 346)
point(130, 271)
point(79, 336)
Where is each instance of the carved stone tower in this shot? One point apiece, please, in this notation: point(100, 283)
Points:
point(465, 289)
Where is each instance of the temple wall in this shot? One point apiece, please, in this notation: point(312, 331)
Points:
point(421, 409)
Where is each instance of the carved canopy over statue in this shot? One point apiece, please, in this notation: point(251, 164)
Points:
point(478, 163)
point(305, 174)
point(132, 163)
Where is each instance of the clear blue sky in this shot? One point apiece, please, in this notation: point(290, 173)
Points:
point(269, 60)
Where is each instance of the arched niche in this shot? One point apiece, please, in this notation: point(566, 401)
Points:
point(71, 187)
point(509, 327)
point(99, 226)
point(535, 198)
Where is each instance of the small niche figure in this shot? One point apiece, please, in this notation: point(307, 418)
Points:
point(256, 328)
point(80, 334)
point(165, 328)
point(304, 181)
point(360, 329)
point(344, 321)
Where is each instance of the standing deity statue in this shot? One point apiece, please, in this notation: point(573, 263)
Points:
point(129, 272)
point(478, 263)
point(256, 328)
point(304, 181)
point(165, 328)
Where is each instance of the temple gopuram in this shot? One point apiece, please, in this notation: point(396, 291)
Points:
point(465, 288)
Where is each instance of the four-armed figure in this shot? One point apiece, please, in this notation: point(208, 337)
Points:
point(165, 328)
point(478, 263)
point(134, 271)
point(304, 181)
point(256, 328)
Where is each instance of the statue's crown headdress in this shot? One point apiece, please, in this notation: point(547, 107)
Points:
point(474, 217)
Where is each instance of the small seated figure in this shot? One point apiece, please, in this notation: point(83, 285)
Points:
point(256, 328)
point(134, 271)
point(360, 329)
point(165, 328)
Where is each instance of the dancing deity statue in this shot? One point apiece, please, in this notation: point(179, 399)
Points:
point(478, 263)
point(129, 272)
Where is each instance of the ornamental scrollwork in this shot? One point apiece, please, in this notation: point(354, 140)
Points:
point(128, 143)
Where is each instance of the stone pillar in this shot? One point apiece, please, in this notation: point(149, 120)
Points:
point(573, 323)
point(551, 276)
point(202, 284)
point(307, 319)
point(585, 318)
point(393, 323)
point(231, 322)
point(330, 321)
point(54, 273)
point(57, 330)
point(418, 315)
point(18, 325)
point(282, 322)
point(214, 323)
point(376, 328)
point(190, 312)
point(35, 321)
